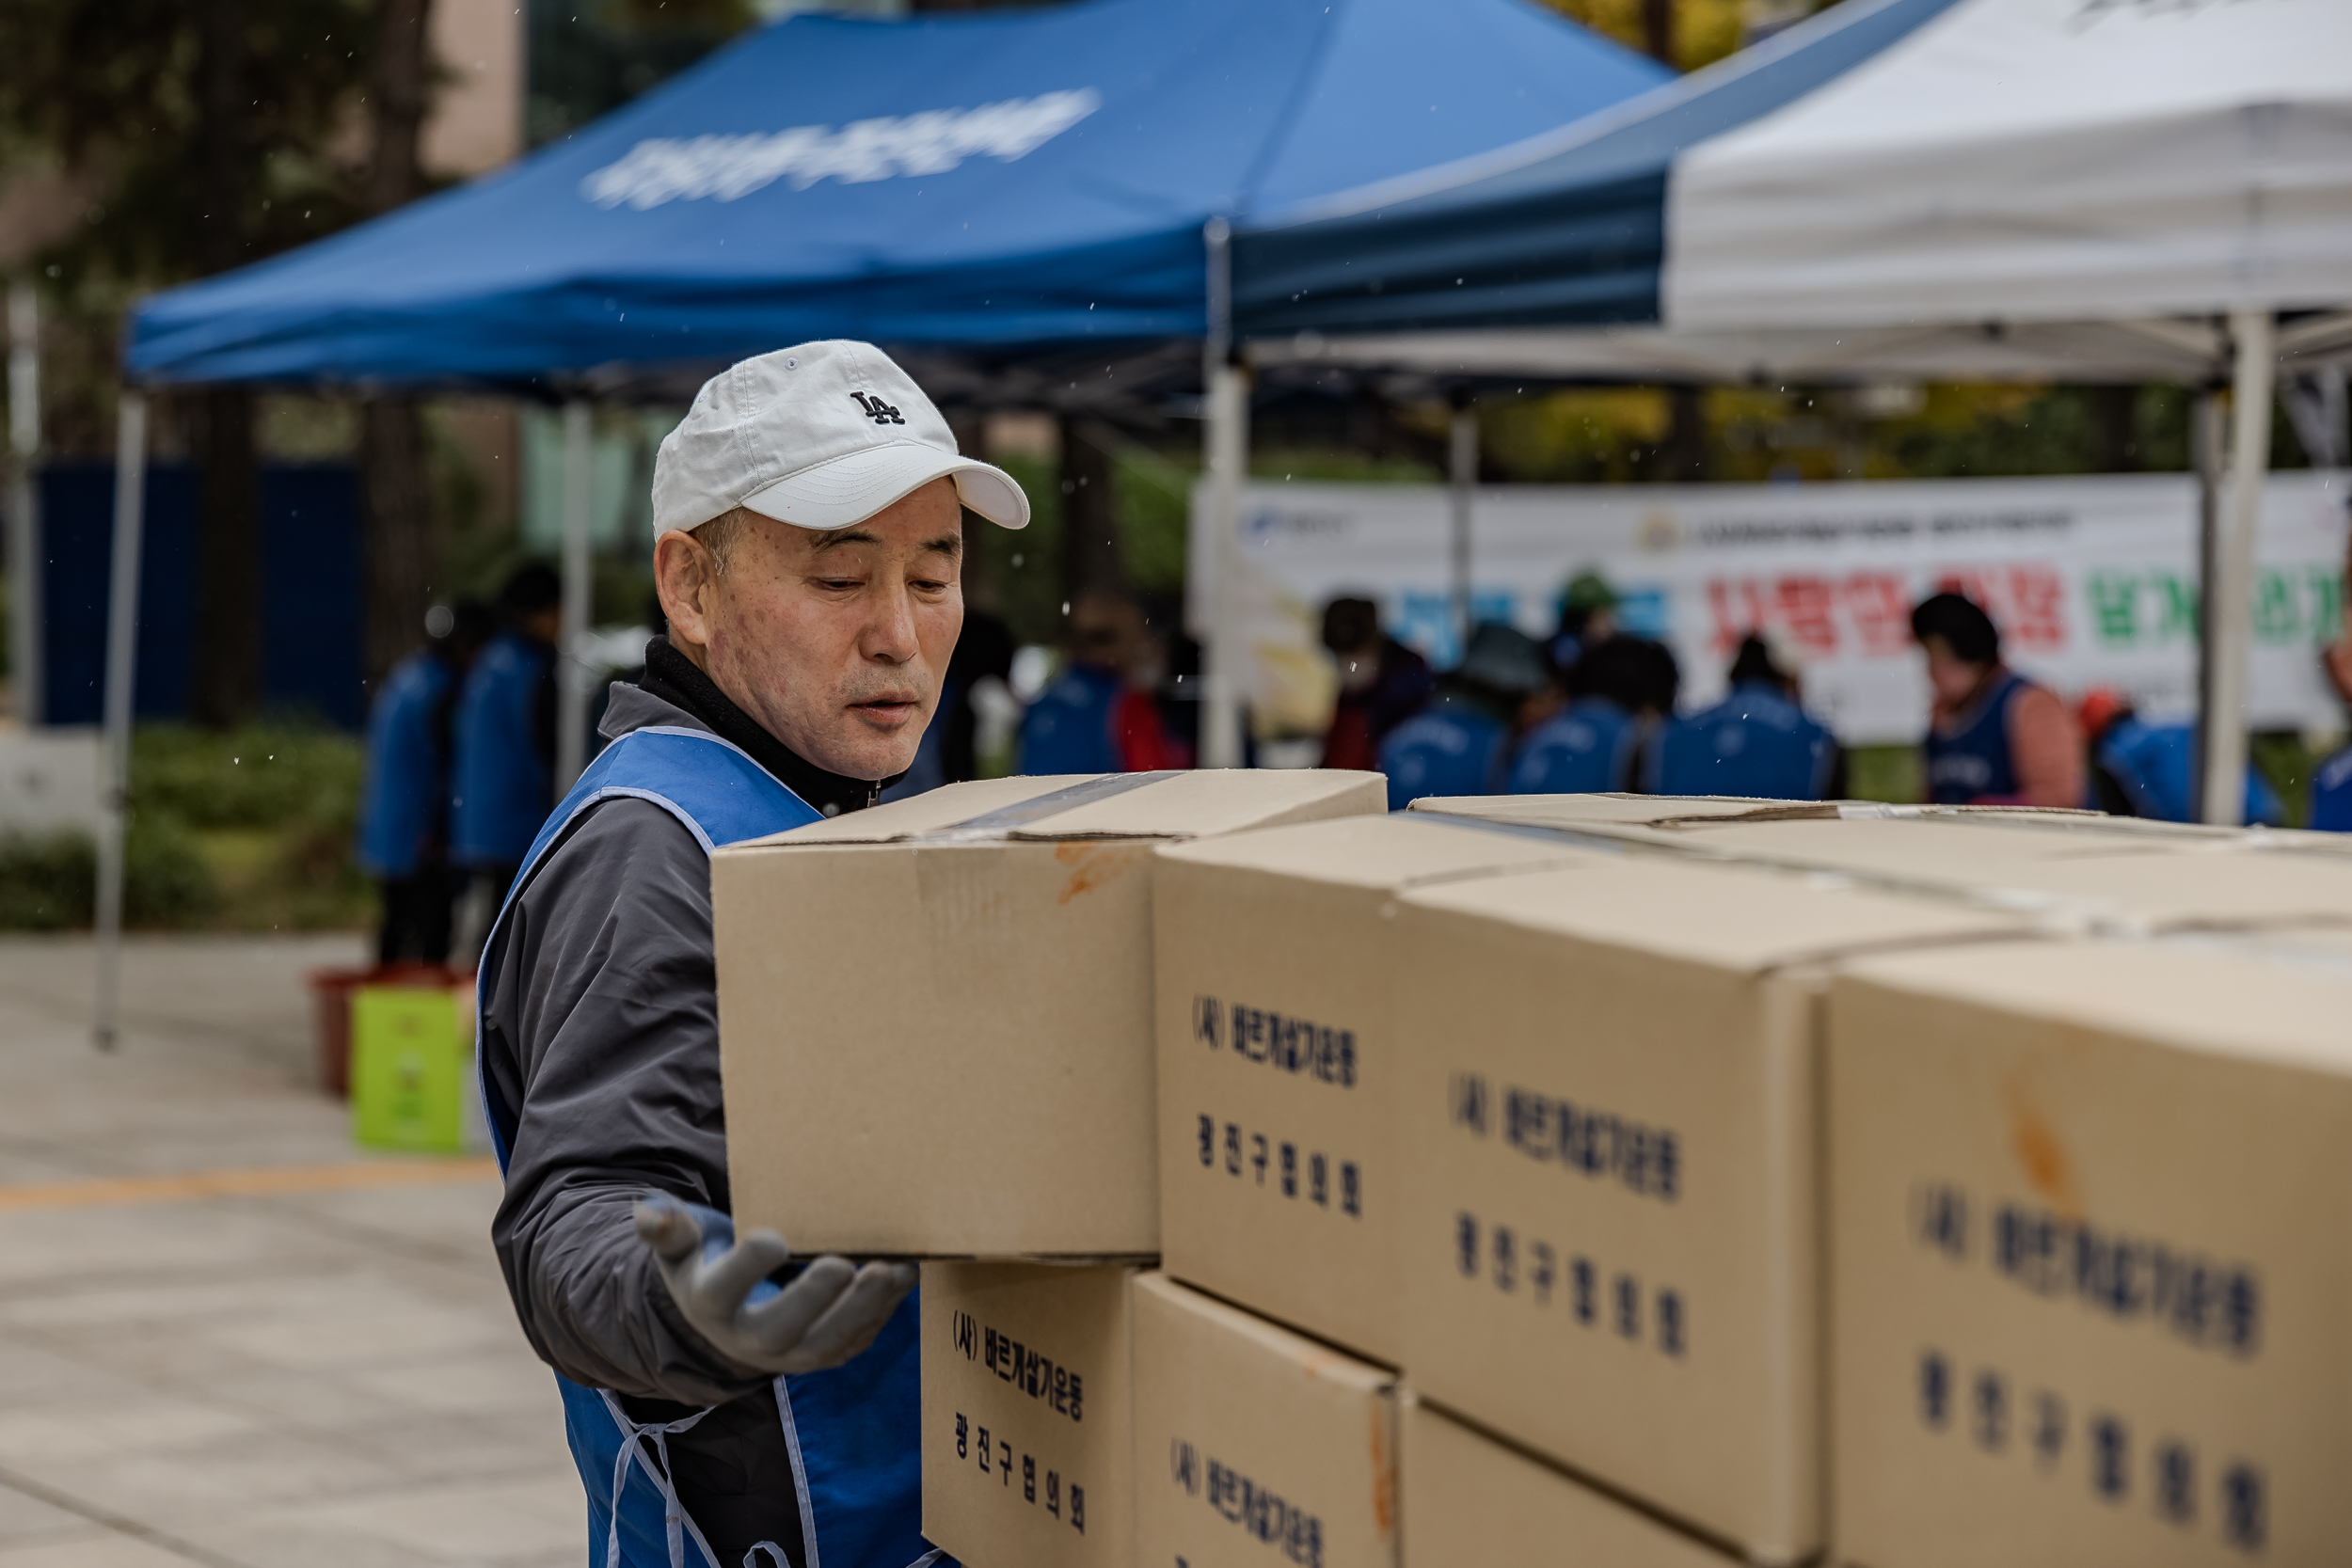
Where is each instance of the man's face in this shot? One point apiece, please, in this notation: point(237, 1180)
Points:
point(834, 641)
point(1952, 678)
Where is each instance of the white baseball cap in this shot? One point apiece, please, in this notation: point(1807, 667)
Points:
point(822, 435)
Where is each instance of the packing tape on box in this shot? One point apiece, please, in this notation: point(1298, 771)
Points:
point(1005, 821)
point(2055, 914)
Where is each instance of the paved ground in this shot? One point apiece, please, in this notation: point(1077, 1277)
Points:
point(316, 1367)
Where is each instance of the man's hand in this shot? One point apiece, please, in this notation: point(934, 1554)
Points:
point(830, 1313)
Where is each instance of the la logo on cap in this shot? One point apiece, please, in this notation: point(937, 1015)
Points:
point(877, 410)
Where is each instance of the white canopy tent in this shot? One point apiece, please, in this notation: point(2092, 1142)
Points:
point(2067, 189)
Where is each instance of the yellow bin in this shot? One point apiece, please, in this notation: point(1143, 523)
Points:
point(412, 1069)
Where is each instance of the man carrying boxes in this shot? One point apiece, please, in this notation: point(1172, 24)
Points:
point(807, 562)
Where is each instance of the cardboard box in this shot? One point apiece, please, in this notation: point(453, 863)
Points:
point(935, 1017)
point(1606, 1104)
point(1469, 1501)
point(1278, 1184)
point(1256, 1447)
point(2077, 870)
point(1029, 1432)
point(2093, 1241)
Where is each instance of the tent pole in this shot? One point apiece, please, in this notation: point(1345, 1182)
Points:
point(2230, 595)
point(1462, 479)
point(571, 684)
point(24, 627)
point(1225, 435)
point(2204, 455)
point(123, 647)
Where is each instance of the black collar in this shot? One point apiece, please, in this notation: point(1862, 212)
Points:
point(672, 677)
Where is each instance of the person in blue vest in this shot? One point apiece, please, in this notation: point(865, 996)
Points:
point(1594, 744)
point(1993, 737)
point(1460, 743)
point(1756, 742)
point(727, 1403)
point(1103, 714)
point(504, 734)
point(2141, 769)
point(2331, 794)
point(403, 806)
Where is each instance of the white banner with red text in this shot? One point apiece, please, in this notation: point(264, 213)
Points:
point(2093, 581)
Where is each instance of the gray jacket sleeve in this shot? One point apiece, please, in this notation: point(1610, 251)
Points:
point(601, 1037)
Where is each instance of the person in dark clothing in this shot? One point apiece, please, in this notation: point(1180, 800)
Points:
point(504, 734)
point(984, 652)
point(1382, 683)
point(403, 810)
point(1993, 737)
point(808, 555)
point(1588, 617)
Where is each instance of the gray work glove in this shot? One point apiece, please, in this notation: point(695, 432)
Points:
point(828, 1312)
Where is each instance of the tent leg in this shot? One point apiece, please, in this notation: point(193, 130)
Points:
point(2230, 594)
point(1225, 457)
point(571, 722)
point(123, 646)
point(25, 622)
point(1461, 481)
point(1229, 453)
point(2204, 452)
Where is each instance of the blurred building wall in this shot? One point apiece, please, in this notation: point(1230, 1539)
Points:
point(476, 121)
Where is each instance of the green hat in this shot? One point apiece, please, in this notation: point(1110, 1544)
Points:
point(1589, 590)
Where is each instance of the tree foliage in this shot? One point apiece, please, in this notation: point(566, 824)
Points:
point(110, 90)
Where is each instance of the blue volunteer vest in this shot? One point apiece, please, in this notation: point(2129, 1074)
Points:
point(2331, 794)
point(499, 782)
point(1068, 728)
point(1755, 744)
point(1448, 748)
point(1973, 760)
point(2153, 765)
point(854, 1432)
point(408, 786)
point(1587, 749)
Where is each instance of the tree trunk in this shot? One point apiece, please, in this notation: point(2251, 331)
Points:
point(225, 684)
point(2114, 430)
point(980, 548)
point(396, 497)
point(225, 687)
point(1683, 457)
point(1089, 512)
point(396, 510)
point(1658, 30)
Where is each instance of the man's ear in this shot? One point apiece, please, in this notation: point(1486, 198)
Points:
point(685, 574)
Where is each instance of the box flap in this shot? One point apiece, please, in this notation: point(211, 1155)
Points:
point(1312, 1357)
point(1737, 917)
point(1168, 804)
point(932, 810)
point(1701, 811)
point(1395, 851)
point(1629, 809)
point(2231, 997)
point(1185, 805)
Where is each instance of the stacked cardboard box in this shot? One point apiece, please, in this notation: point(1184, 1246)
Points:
point(1680, 1181)
point(937, 1042)
point(2093, 1232)
point(935, 1017)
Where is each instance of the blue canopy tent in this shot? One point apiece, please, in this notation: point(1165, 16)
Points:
point(998, 183)
point(996, 180)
